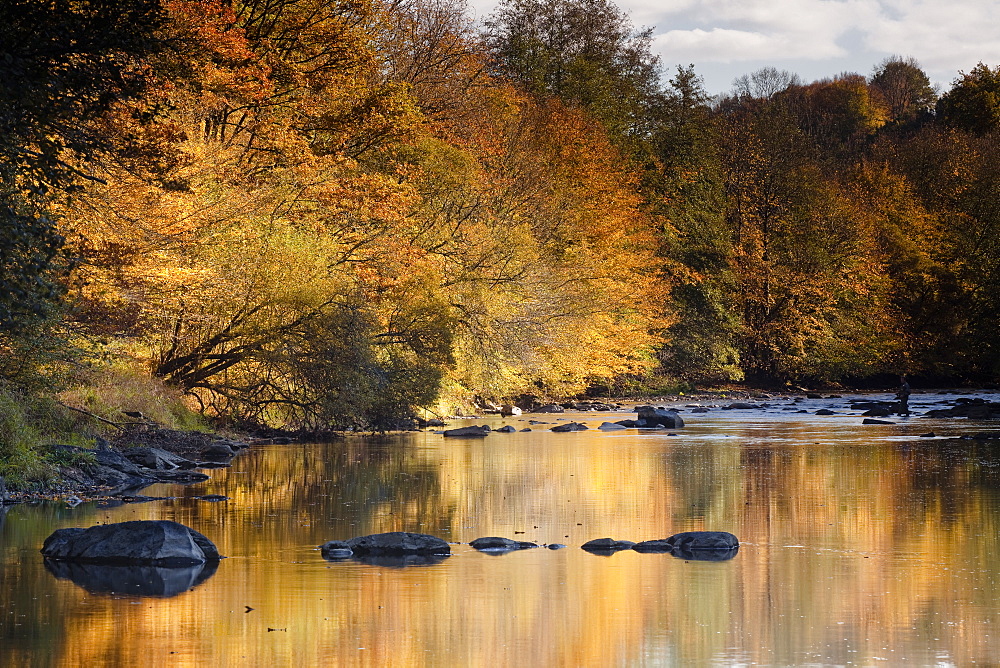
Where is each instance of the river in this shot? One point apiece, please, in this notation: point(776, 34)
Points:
point(861, 545)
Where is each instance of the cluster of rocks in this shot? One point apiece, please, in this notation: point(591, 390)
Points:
point(128, 466)
point(698, 545)
point(164, 558)
point(975, 409)
point(695, 545)
point(648, 417)
point(582, 406)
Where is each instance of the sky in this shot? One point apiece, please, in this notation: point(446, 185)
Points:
point(815, 39)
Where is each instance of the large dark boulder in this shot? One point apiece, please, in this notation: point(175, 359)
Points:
point(156, 581)
point(549, 408)
point(398, 543)
point(703, 540)
point(651, 416)
point(143, 542)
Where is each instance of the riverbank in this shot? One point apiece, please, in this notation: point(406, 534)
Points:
point(122, 467)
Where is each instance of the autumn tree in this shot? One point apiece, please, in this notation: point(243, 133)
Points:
point(65, 66)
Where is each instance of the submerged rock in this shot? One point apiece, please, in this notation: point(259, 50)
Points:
point(142, 542)
point(498, 544)
point(569, 426)
point(605, 546)
point(611, 426)
point(468, 432)
point(336, 550)
point(874, 421)
point(507, 429)
point(398, 543)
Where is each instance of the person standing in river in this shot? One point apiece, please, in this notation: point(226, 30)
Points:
point(903, 395)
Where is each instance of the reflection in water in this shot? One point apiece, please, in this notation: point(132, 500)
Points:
point(861, 545)
point(155, 581)
point(705, 555)
point(400, 560)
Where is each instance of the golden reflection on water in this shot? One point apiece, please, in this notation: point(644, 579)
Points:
point(860, 547)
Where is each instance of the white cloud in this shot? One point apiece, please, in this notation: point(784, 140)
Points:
point(728, 46)
point(816, 38)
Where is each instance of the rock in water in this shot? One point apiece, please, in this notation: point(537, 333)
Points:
point(652, 416)
point(569, 426)
point(703, 540)
point(468, 432)
point(143, 542)
point(611, 426)
point(398, 543)
point(659, 546)
point(606, 545)
point(498, 544)
point(335, 550)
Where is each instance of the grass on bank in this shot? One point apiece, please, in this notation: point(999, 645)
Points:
point(29, 423)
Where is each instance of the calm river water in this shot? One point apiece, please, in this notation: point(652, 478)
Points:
point(861, 545)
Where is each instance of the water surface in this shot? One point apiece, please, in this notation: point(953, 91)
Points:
point(861, 545)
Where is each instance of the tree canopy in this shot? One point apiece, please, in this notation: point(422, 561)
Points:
point(322, 215)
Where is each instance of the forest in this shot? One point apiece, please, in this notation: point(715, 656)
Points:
point(331, 214)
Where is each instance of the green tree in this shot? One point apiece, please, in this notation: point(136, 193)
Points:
point(685, 188)
point(973, 103)
point(904, 87)
point(584, 52)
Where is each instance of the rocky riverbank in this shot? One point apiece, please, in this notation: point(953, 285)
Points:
point(120, 468)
